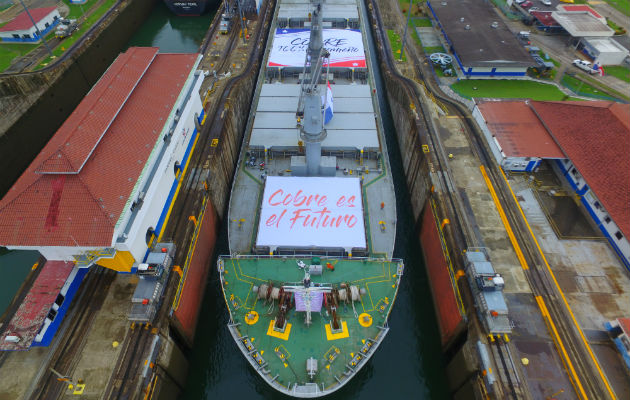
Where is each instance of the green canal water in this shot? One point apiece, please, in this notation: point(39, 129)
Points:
point(14, 268)
point(409, 363)
point(172, 34)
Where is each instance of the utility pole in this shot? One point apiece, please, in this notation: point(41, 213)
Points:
point(37, 29)
point(402, 45)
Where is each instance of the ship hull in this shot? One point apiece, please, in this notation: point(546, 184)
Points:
point(443, 285)
point(188, 7)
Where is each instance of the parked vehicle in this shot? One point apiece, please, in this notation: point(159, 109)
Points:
point(526, 4)
point(584, 66)
point(546, 2)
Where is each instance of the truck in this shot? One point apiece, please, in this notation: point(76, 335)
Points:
point(584, 66)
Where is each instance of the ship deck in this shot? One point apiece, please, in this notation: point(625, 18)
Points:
point(284, 355)
point(265, 251)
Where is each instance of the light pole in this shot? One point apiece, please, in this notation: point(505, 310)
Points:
point(37, 29)
point(402, 46)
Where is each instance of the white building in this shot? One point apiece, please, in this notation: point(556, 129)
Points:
point(605, 51)
point(102, 188)
point(21, 28)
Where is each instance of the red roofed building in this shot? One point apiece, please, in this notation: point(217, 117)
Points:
point(109, 174)
point(519, 140)
point(592, 151)
point(21, 29)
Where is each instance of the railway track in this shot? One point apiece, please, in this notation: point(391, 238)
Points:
point(180, 230)
point(71, 339)
point(462, 231)
point(125, 382)
point(583, 372)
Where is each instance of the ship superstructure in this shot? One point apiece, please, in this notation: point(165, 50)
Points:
point(311, 280)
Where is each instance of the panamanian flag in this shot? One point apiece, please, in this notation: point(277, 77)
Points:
point(328, 105)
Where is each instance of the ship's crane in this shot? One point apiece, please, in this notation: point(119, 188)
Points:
point(316, 56)
point(309, 110)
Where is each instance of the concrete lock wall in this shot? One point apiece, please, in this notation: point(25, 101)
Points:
point(408, 132)
point(229, 126)
point(408, 117)
point(50, 95)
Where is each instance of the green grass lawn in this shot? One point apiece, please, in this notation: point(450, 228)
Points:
point(395, 43)
point(516, 89)
point(85, 25)
point(415, 7)
point(619, 30)
point(421, 22)
point(618, 71)
point(580, 87)
point(8, 51)
point(434, 49)
point(621, 5)
point(546, 57)
point(603, 89)
point(77, 10)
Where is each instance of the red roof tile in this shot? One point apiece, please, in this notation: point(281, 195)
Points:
point(85, 127)
point(30, 316)
point(595, 136)
point(23, 22)
point(545, 18)
point(82, 208)
point(518, 130)
point(580, 8)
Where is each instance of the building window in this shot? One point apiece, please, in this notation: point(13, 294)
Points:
point(56, 17)
point(607, 220)
point(26, 36)
point(46, 24)
point(597, 205)
point(15, 35)
point(574, 171)
point(618, 235)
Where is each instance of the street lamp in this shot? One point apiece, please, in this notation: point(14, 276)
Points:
point(402, 47)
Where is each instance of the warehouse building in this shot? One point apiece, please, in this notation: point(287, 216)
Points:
point(480, 41)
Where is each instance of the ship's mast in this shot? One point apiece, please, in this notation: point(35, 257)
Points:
point(312, 130)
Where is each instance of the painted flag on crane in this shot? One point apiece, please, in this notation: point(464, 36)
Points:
point(328, 105)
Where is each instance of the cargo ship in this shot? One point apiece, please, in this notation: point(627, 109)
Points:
point(189, 7)
point(311, 279)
